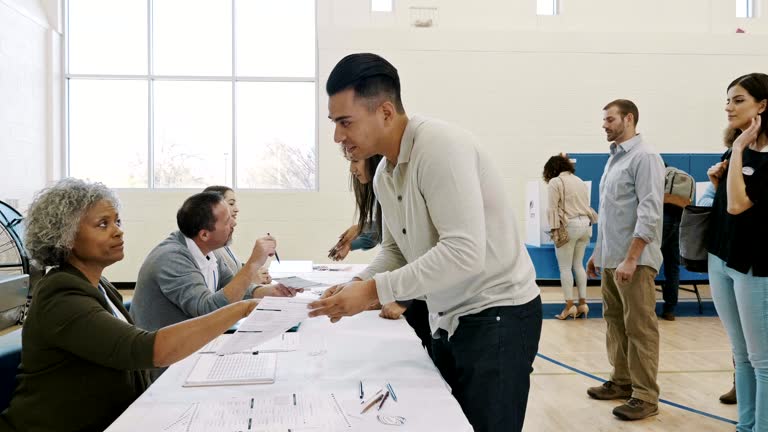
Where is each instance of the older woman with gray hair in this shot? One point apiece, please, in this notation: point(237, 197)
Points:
point(83, 360)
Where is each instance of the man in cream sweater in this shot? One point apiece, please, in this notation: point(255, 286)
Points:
point(448, 237)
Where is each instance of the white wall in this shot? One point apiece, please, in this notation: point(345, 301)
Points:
point(28, 94)
point(528, 86)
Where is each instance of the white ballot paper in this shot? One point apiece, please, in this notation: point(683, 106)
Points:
point(297, 282)
point(272, 317)
point(285, 412)
point(282, 343)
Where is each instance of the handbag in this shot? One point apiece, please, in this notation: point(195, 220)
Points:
point(560, 235)
point(693, 238)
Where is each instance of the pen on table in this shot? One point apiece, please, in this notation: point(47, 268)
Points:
point(362, 394)
point(373, 402)
point(277, 257)
point(382, 401)
point(392, 392)
point(372, 397)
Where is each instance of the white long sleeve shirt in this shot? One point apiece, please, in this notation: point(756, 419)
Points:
point(448, 231)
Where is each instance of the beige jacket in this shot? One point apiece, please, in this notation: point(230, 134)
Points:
point(576, 203)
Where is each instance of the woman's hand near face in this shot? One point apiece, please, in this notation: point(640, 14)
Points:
point(716, 171)
point(748, 136)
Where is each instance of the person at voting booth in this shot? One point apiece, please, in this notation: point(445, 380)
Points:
point(83, 359)
point(448, 235)
point(569, 208)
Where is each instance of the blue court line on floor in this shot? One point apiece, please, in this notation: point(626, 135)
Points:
point(664, 401)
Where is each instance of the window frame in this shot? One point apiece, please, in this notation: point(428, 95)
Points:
point(150, 78)
point(555, 8)
point(750, 9)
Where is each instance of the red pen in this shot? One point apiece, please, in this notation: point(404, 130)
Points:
point(382, 401)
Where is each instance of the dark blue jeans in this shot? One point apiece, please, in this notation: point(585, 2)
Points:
point(670, 250)
point(488, 363)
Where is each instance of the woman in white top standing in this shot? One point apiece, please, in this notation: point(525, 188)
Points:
point(569, 196)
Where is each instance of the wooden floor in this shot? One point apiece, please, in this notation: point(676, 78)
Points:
point(694, 369)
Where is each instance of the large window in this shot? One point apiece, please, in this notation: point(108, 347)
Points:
point(745, 8)
point(189, 93)
point(547, 7)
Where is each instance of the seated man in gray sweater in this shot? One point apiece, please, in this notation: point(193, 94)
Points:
point(182, 279)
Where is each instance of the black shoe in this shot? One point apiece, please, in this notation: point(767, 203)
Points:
point(669, 316)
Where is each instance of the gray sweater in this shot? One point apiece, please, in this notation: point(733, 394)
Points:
point(171, 288)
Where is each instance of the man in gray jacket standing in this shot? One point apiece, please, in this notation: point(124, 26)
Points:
point(181, 278)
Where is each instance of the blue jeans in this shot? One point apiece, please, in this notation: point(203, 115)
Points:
point(670, 250)
point(741, 301)
point(488, 362)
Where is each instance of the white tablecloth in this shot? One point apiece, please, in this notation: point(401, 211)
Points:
point(332, 360)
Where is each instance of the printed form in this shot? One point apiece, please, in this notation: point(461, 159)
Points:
point(272, 317)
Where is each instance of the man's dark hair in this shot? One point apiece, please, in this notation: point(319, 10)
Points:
point(197, 213)
point(370, 76)
point(625, 106)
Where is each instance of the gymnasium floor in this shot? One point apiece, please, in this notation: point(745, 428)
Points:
point(694, 370)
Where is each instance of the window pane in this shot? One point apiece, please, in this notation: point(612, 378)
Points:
point(192, 37)
point(381, 5)
point(193, 134)
point(744, 9)
point(546, 7)
point(276, 135)
point(108, 131)
point(275, 38)
point(107, 37)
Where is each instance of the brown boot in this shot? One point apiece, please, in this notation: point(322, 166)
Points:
point(610, 390)
point(669, 316)
point(635, 409)
point(730, 397)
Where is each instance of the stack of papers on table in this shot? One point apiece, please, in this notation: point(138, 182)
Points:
point(272, 317)
point(235, 369)
point(296, 412)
